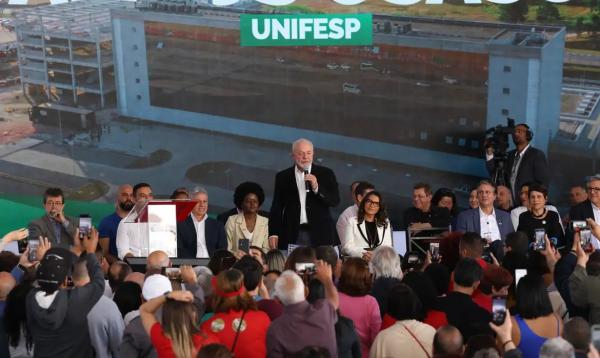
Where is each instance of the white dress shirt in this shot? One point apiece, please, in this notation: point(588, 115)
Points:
point(201, 249)
point(344, 219)
point(301, 184)
point(489, 226)
point(130, 239)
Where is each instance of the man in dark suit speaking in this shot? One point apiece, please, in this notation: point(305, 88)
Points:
point(301, 200)
point(198, 235)
point(525, 164)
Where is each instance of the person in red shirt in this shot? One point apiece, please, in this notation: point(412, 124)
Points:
point(238, 324)
point(179, 335)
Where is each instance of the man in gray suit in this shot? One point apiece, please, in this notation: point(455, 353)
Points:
point(55, 225)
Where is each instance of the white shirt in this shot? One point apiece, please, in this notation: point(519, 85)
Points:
point(301, 184)
point(596, 211)
point(489, 226)
point(130, 239)
point(201, 249)
point(344, 219)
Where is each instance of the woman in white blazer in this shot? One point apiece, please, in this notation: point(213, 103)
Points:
point(248, 224)
point(369, 229)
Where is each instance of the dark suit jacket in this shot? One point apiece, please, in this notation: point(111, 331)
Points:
point(469, 221)
point(214, 234)
point(44, 226)
point(579, 212)
point(284, 218)
point(533, 168)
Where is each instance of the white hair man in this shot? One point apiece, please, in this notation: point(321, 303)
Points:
point(303, 324)
point(557, 347)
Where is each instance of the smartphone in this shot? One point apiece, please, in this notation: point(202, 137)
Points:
point(540, 242)
point(85, 225)
point(33, 246)
point(244, 245)
point(579, 225)
point(519, 274)
point(498, 310)
point(585, 236)
point(305, 267)
point(434, 250)
point(596, 335)
point(413, 258)
point(173, 273)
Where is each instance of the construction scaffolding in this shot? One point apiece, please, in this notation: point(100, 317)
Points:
point(65, 54)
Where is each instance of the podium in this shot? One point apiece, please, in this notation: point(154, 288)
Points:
point(157, 223)
point(419, 239)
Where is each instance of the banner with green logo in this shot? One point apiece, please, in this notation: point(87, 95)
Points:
point(306, 30)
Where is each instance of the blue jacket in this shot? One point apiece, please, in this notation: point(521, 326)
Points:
point(469, 221)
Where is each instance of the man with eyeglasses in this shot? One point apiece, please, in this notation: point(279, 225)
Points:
point(589, 209)
point(55, 225)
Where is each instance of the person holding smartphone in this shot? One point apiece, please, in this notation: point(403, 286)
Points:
point(248, 225)
point(55, 225)
point(539, 217)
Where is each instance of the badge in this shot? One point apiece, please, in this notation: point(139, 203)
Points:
point(236, 324)
point(217, 325)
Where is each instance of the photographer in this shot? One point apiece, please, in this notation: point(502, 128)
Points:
point(523, 164)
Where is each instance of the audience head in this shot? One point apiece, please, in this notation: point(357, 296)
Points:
point(54, 268)
point(353, 186)
point(289, 288)
point(300, 255)
point(449, 249)
point(504, 198)
point(248, 197)
point(538, 196)
point(128, 297)
point(8, 261)
point(385, 262)
point(252, 271)
point(356, 279)
point(495, 281)
point(470, 245)
point(473, 201)
point(258, 253)
point(403, 303)
point(372, 204)
point(221, 260)
point(557, 347)
point(155, 286)
point(532, 297)
point(117, 273)
point(179, 324)
point(136, 277)
point(275, 260)
point(214, 350)
point(448, 342)
point(592, 188)
point(157, 260)
point(445, 198)
point(269, 279)
point(229, 293)
point(142, 192)
point(440, 276)
point(517, 241)
point(302, 153)
point(312, 352)
point(577, 195)
point(200, 196)
point(204, 276)
point(467, 273)
point(524, 194)
point(180, 194)
point(421, 198)
point(330, 256)
point(593, 265)
point(361, 189)
point(480, 346)
point(424, 289)
point(486, 194)
point(7, 283)
point(577, 332)
point(80, 274)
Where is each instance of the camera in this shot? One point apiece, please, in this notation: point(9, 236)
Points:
point(497, 138)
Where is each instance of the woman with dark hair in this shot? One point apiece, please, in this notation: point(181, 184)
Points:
point(407, 337)
point(128, 297)
point(248, 224)
point(237, 322)
point(539, 217)
point(369, 229)
point(495, 281)
point(445, 198)
point(356, 303)
point(221, 260)
point(178, 335)
point(424, 288)
point(302, 254)
point(535, 322)
point(15, 320)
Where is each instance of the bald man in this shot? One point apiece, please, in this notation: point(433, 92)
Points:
point(304, 193)
point(448, 342)
point(157, 260)
point(108, 226)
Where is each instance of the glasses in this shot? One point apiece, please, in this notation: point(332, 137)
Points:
point(373, 203)
point(54, 203)
point(593, 189)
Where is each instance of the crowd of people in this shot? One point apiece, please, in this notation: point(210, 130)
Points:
point(509, 276)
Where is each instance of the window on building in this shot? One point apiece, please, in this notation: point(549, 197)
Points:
point(506, 90)
point(136, 64)
point(505, 112)
point(423, 135)
point(133, 29)
point(135, 47)
point(137, 80)
point(507, 69)
point(462, 142)
point(474, 144)
point(139, 97)
point(462, 121)
point(449, 139)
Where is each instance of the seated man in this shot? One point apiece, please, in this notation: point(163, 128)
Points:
point(58, 228)
point(462, 312)
point(109, 224)
point(423, 215)
point(303, 324)
point(198, 235)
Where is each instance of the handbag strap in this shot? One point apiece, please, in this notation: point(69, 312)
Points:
point(415, 338)
point(237, 333)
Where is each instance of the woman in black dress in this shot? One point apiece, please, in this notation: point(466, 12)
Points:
point(538, 217)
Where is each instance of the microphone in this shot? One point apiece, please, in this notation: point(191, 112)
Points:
point(306, 183)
